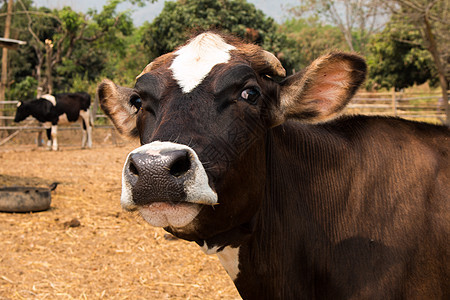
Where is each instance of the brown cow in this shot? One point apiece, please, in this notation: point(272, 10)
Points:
point(297, 204)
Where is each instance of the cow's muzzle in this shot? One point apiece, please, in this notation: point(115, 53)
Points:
point(164, 178)
point(158, 177)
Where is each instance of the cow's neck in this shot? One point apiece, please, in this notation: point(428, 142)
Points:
point(247, 179)
point(40, 110)
point(290, 151)
point(244, 181)
point(299, 189)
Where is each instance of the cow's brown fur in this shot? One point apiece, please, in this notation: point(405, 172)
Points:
point(351, 208)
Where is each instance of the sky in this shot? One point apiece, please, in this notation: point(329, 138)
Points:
point(273, 8)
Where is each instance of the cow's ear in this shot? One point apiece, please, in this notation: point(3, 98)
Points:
point(115, 102)
point(320, 92)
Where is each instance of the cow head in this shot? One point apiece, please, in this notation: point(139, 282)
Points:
point(38, 108)
point(22, 112)
point(201, 114)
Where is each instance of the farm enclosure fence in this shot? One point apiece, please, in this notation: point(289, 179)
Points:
point(428, 107)
point(422, 106)
point(9, 130)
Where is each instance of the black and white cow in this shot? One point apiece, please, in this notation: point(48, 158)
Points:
point(59, 109)
point(297, 204)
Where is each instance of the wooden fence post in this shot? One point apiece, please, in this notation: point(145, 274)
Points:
point(39, 141)
point(3, 80)
point(394, 102)
point(94, 108)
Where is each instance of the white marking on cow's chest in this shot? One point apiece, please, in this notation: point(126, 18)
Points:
point(194, 61)
point(228, 257)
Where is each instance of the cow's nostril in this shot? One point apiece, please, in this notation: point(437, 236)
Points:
point(133, 169)
point(180, 165)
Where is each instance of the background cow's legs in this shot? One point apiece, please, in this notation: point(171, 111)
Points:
point(54, 133)
point(49, 138)
point(87, 129)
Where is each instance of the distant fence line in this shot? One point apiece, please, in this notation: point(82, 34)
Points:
point(9, 109)
point(9, 129)
point(416, 105)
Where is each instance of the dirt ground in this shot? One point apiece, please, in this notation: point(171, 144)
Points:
point(85, 246)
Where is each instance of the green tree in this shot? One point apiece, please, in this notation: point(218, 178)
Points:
point(357, 20)
point(68, 50)
point(24, 89)
point(85, 41)
point(431, 18)
point(123, 66)
point(398, 59)
point(78, 47)
point(180, 18)
point(23, 61)
point(309, 38)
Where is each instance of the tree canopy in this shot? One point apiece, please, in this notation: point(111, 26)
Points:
point(64, 44)
point(398, 58)
point(180, 18)
point(68, 50)
point(357, 20)
point(308, 39)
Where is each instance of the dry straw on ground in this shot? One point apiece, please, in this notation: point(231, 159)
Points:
point(85, 246)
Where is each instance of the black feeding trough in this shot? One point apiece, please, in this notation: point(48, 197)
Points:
point(24, 199)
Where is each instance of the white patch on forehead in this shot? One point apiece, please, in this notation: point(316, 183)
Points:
point(195, 60)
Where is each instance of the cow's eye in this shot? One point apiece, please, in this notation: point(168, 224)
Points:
point(136, 102)
point(250, 95)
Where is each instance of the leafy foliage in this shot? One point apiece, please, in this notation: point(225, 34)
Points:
point(356, 20)
point(24, 89)
point(97, 44)
point(180, 18)
point(123, 68)
point(308, 39)
point(398, 59)
point(430, 18)
point(81, 43)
